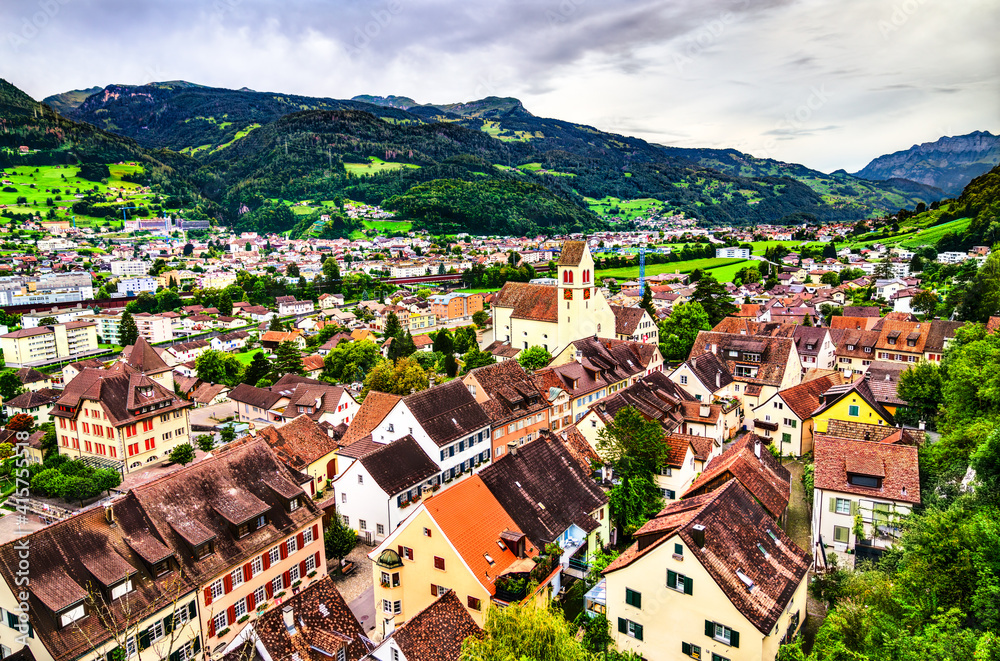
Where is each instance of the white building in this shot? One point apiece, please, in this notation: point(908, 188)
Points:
point(130, 267)
point(136, 286)
point(732, 252)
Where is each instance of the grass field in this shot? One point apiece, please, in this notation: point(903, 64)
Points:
point(538, 169)
point(375, 166)
point(631, 272)
point(388, 225)
point(246, 357)
point(494, 129)
point(627, 208)
point(47, 179)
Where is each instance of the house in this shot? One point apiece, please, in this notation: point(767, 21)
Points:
point(434, 634)
point(851, 402)
point(518, 410)
point(705, 377)
point(732, 581)
point(271, 339)
point(455, 306)
point(786, 416)
point(304, 447)
point(687, 457)
point(291, 396)
point(635, 324)
point(815, 347)
point(43, 345)
point(312, 366)
point(230, 342)
point(552, 500)
point(36, 403)
point(377, 483)
point(258, 313)
point(855, 351)
point(316, 623)
point(880, 481)
point(330, 301)
point(288, 306)
point(501, 351)
point(460, 539)
point(70, 371)
point(144, 358)
point(210, 394)
point(186, 351)
point(120, 415)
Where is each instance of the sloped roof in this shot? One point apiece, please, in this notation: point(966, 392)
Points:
point(758, 471)
point(528, 301)
point(374, 408)
point(862, 388)
point(544, 490)
point(144, 358)
point(447, 412)
point(299, 442)
point(736, 529)
point(804, 398)
point(262, 398)
point(33, 398)
point(512, 393)
point(711, 371)
point(123, 393)
point(572, 253)
point(626, 319)
point(775, 353)
point(399, 465)
point(436, 633)
point(897, 464)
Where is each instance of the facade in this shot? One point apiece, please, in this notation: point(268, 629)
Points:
point(48, 344)
point(136, 286)
point(153, 327)
point(518, 410)
point(303, 446)
point(526, 315)
point(786, 417)
point(733, 583)
point(732, 252)
point(36, 403)
point(451, 307)
point(108, 326)
point(635, 324)
point(851, 402)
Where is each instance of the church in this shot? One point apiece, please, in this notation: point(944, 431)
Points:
point(552, 316)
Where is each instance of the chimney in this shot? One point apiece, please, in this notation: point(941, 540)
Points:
point(698, 535)
point(718, 378)
point(704, 410)
point(109, 514)
point(289, 618)
point(756, 448)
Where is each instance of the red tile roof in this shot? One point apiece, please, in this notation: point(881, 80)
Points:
point(897, 464)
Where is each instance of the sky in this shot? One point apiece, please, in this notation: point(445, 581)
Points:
point(827, 83)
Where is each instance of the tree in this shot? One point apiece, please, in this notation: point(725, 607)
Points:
point(831, 278)
point(338, 539)
point(474, 358)
point(635, 448)
point(225, 304)
point(480, 318)
point(534, 358)
point(10, 385)
point(106, 479)
point(188, 249)
point(450, 365)
point(167, 300)
point(20, 422)
point(401, 378)
point(257, 369)
point(982, 298)
point(288, 359)
point(523, 632)
point(206, 442)
point(679, 331)
point(331, 271)
point(351, 361)
point(227, 435)
point(647, 302)
point(714, 299)
point(182, 454)
point(883, 270)
point(443, 342)
point(218, 367)
point(48, 321)
point(275, 324)
point(292, 270)
point(128, 331)
point(392, 325)
point(925, 301)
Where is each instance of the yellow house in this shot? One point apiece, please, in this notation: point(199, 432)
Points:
point(711, 577)
point(303, 446)
point(461, 540)
point(851, 402)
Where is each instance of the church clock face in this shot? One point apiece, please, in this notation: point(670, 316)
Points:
point(586, 293)
point(567, 294)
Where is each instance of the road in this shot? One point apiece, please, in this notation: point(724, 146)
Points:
point(363, 608)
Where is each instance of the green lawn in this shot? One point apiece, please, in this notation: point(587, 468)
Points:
point(494, 129)
point(631, 272)
point(388, 225)
point(375, 166)
point(727, 273)
point(247, 356)
point(627, 208)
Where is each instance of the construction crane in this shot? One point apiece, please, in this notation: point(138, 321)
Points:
point(642, 269)
point(125, 216)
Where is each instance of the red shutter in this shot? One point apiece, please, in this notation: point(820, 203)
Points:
point(318, 565)
point(208, 596)
point(286, 579)
point(300, 541)
point(283, 549)
point(315, 531)
point(251, 602)
point(247, 572)
point(267, 561)
point(302, 568)
point(227, 581)
point(231, 611)
point(399, 550)
point(211, 627)
point(269, 589)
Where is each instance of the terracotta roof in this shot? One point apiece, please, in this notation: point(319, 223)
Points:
point(34, 398)
point(436, 633)
point(447, 412)
point(897, 464)
point(374, 408)
point(804, 398)
point(538, 302)
point(472, 520)
point(576, 444)
point(501, 349)
point(883, 380)
point(29, 332)
point(754, 468)
point(206, 392)
point(942, 331)
point(852, 343)
point(399, 465)
point(30, 375)
point(861, 431)
point(298, 443)
point(712, 372)
point(655, 396)
point(774, 354)
point(512, 393)
point(324, 624)
point(544, 490)
point(861, 311)
point(626, 319)
point(125, 395)
point(693, 412)
point(144, 358)
point(572, 253)
point(262, 398)
point(736, 528)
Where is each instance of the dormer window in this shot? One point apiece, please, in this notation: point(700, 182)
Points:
point(71, 615)
point(204, 550)
point(121, 589)
point(293, 504)
point(869, 481)
point(850, 347)
point(162, 567)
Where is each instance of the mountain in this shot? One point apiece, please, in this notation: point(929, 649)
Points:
point(948, 163)
point(401, 102)
point(67, 101)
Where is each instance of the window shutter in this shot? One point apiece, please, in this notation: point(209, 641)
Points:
point(168, 624)
point(638, 631)
point(300, 541)
point(709, 628)
point(227, 583)
point(671, 578)
point(686, 649)
point(315, 531)
point(266, 561)
point(622, 626)
point(231, 612)
point(175, 656)
point(833, 504)
point(734, 639)
point(283, 550)
point(637, 599)
point(247, 572)
point(208, 596)
point(143, 639)
point(399, 551)
point(688, 585)
point(854, 507)
point(302, 568)
point(197, 644)
point(211, 627)
point(434, 590)
point(318, 564)
point(286, 579)
point(251, 602)
point(192, 611)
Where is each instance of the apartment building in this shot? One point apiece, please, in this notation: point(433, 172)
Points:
point(137, 285)
point(129, 267)
point(451, 307)
point(108, 326)
point(48, 344)
point(153, 327)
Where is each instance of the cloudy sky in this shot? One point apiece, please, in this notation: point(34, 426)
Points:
point(827, 83)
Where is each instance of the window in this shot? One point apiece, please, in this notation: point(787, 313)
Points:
point(865, 481)
point(633, 598)
point(218, 589)
point(121, 589)
point(853, 411)
point(630, 628)
point(259, 595)
point(438, 563)
point(274, 555)
point(679, 550)
point(842, 506)
point(679, 582)
point(256, 565)
point(292, 545)
point(841, 534)
point(786, 438)
point(294, 573)
point(475, 603)
point(161, 567)
point(722, 633)
point(361, 479)
point(240, 608)
point(293, 504)
point(220, 621)
point(362, 524)
point(71, 616)
point(716, 657)
point(693, 651)
point(156, 631)
point(237, 576)
point(791, 422)
point(684, 379)
point(278, 584)
point(427, 532)
point(387, 606)
point(379, 529)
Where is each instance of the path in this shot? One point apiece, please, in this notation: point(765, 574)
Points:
point(798, 526)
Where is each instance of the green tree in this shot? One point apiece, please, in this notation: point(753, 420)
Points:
point(182, 454)
point(48, 321)
point(288, 359)
point(679, 331)
point(714, 299)
point(218, 367)
point(401, 378)
point(402, 345)
point(206, 442)
point(534, 358)
point(831, 278)
point(351, 361)
point(292, 270)
point(106, 479)
point(331, 271)
point(227, 435)
point(392, 326)
point(338, 539)
point(524, 632)
point(635, 448)
point(167, 300)
point(257, 369)
point(225, 304)
point(481, 318)
point(474, 358)
point(10, 385)
point(646, 303)
point(450, 365)
point(188, 249)
point(128, 331)
point(982, 297)
point(443, 342)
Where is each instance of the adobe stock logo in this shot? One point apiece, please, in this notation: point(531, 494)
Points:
point(32, 25)
point(380, 20)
